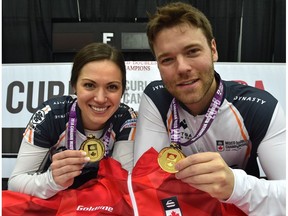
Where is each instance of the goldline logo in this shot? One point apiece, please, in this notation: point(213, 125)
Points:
point(94, 208)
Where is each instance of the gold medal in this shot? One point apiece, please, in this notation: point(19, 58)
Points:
point(169, 156)
point(94, 148)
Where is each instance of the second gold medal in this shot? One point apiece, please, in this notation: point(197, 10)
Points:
point(169, 156)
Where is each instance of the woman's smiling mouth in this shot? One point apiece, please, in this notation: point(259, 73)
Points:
point(99, 109)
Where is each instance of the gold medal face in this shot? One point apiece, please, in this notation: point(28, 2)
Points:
point(94, 148)
point(168, 157)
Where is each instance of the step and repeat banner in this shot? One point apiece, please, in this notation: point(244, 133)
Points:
point(25, 86)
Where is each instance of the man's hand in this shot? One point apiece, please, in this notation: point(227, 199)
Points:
point(207, 171)
point(66, 165)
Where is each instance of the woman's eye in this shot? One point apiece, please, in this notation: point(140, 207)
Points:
point(88, 85)
point(113, 87)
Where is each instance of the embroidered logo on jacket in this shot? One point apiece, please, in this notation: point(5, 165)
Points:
point(39, 116)
point(250, 99)
point(171, 206)
point(220, 145)
point(224, 145)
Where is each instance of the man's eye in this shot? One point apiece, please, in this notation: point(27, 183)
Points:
point(193, 52)
point(166, 60)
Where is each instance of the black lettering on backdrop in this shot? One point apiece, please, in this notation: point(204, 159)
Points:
point(132, 98)
point(71, 90)
point(10, 93)
point(136, 85)
point(51, 85)
point(55, 89)
point(30, 96)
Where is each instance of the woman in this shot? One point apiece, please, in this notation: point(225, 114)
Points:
point(68, 136)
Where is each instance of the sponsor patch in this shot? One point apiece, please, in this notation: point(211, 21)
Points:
point(171, 206)
point(220, 145)
point(39, 116)
point(94, 208)
point(223, 145)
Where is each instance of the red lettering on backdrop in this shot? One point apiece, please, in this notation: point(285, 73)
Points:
point(258, 83)
point(241, 82)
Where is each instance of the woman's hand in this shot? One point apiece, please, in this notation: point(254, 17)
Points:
point(66, 165)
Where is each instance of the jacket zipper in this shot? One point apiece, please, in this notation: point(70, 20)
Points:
point(131, 194)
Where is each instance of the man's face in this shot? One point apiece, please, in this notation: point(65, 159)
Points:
point(185, 61)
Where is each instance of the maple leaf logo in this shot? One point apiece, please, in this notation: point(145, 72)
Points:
point(174, 214)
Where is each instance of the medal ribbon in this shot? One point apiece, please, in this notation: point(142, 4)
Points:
point(71, 142)
point(206, 123)
point(106, 138)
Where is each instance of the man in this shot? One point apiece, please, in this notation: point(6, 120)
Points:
point(192, 114)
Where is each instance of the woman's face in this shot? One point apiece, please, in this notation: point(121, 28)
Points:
point(99, 91)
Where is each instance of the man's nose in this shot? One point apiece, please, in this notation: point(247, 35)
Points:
point(183, 65)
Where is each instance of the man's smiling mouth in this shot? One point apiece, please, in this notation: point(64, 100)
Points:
point(187, 82)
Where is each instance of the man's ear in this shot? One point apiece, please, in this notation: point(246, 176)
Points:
point(214, 50)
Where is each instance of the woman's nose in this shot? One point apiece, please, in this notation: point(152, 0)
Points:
point(100, 96)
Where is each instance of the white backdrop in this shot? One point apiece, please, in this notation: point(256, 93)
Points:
point(23, 84)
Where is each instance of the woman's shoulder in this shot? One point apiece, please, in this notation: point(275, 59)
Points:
point(124, 117)
point(59, 102)
point(125, 109)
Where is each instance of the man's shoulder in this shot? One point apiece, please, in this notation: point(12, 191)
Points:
point(157, 92)
point(235, 91)
point(156, 85)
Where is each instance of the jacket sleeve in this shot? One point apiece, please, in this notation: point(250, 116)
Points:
point(151, 131)
point(123, 153)
point(24, 178)
point(260, 196)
